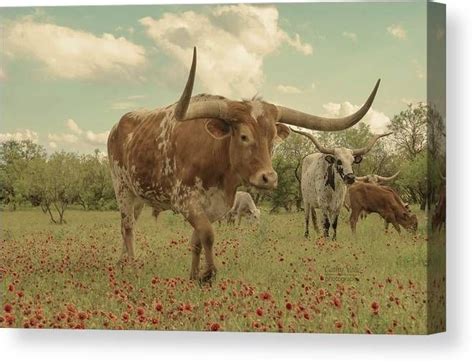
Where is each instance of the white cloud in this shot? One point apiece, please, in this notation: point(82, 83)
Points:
point(97, 138)
point(78, 139)
point(397, 31)
point(288, 89)
point(349, 35)
point(135, 97)
point(232, 43)
point(19, 135)
point(420, 71)
point(70, 53)
point(63, 138)
point(71, 125)
point(123, 105)
point(377, 121)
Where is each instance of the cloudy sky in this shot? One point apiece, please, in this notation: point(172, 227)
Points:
point(67, 74)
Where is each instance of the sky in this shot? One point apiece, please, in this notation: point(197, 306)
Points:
point(67, 74)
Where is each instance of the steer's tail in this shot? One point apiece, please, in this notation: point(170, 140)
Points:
point(296, 171)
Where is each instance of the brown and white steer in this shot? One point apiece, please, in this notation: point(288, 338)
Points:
point(191, 156)
point(373, 198)
point(373, 179)
point(244, 206)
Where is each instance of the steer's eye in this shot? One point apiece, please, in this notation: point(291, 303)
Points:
point(244, 138)
point(339, 162)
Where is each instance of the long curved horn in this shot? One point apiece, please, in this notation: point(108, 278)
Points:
point(209, 109)
point(370, 144)
point(364, 179)
point(320, 147)
point(387, 178)
point(301, 119)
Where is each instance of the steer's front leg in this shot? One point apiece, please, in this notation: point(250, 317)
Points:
point(203, 232)
point(196, 248)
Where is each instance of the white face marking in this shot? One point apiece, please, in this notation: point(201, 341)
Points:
point(346, 157)
point(257, 109)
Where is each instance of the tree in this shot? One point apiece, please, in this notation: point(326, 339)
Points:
point(96, 190)
point(286, 161)
point(58, 184)
point(410, 129)
point(14, 159)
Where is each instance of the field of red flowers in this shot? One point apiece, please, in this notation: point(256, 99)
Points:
point(270, 278)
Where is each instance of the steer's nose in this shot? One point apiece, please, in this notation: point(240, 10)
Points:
point(266, 179)
point(349, 178)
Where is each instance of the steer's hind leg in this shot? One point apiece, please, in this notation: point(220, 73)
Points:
point(307, 208)
point(334, 227)
point(326, 225)
point(314, 218)
point(127, 205)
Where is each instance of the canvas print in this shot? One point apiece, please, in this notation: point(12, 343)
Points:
point(235, 167)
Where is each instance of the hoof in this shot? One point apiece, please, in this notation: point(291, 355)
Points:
point(194, 275)
point(126, 260)
point(208, 276)
point(306, 235)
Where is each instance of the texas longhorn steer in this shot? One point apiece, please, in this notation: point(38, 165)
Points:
point(191, 156)
point(321, 187)
point(373, 179)
point(373, 198)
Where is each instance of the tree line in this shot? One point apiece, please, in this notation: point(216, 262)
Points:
point(30, 177)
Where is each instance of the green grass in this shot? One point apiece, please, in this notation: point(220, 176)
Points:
point(270, 278)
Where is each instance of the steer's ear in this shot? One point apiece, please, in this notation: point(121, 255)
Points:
point(330, 159)
point(357, 159)
point(282, 131)
point(218, 129)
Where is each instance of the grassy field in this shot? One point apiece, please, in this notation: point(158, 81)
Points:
point(270, 278)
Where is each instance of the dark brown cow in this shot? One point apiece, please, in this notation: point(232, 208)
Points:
point(373, 198)
point(191, 156)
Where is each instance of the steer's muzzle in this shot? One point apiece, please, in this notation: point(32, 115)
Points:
point(265, 179)
point(349, 179)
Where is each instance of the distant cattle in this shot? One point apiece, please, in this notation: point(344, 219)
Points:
point(385, 201)
point(324, 177)
point(244, 206)
point(373, 179)
point(376, 179)
point(191, 156)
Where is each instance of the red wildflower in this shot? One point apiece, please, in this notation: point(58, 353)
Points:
point(289, 306)
point(259, 311)
point(8, 308)
point(265, 295)
point(375, 307)
point(82, 315)
point(215, 327)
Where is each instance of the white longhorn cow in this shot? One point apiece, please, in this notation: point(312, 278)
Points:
point(324, 177)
